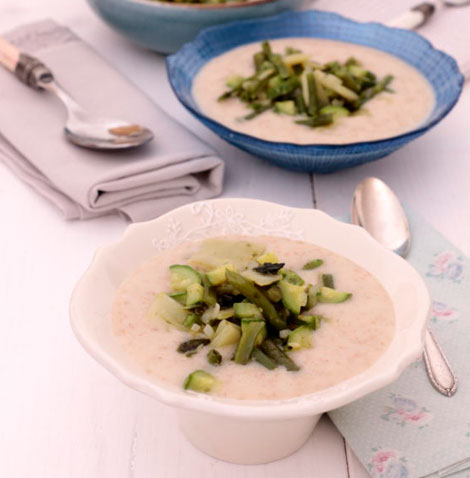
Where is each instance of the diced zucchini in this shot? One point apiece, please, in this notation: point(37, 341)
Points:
point(285, 107)
point(261, 279)
point(312, 294)
point(179, 296)
point(312, 321)
point(183, 276)
point(336, 111)
point(227, 333)
point(166, 308)
point(200, 381)
point(214, 253)
point(217, 276)
point(268, 257)
point(300, 338)
point(244, 310)
point(332, 296)
point(234, 81)
point(294, 297)
point(195, 294)
point(334, 83)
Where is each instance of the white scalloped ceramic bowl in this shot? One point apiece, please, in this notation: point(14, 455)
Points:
point(248, 431)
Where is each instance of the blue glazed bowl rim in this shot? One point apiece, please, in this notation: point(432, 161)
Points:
point(226, 131)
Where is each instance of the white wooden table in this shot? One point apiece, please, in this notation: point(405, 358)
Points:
point(63, 415)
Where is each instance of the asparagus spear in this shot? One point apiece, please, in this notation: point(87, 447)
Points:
point(257, 296)
point(251, 329)
point(274, 352)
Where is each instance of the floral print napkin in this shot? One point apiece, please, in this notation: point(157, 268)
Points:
point(407, 429)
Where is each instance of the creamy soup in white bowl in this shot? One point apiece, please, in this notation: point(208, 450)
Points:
point(402, 106)
point(349, 334)
point(110, 317)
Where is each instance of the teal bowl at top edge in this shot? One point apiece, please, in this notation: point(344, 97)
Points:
point(165, 27)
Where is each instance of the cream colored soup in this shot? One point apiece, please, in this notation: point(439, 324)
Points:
point(385, 116)
point(356, 334)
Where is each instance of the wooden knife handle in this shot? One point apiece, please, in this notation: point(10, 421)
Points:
point(9, 55)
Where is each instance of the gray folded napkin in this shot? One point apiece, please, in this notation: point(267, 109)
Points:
point(173, 169)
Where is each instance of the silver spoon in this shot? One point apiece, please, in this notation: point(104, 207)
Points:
point(376, 208)
point(81, 128)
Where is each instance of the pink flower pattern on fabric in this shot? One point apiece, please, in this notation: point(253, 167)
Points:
point(404, 411)
point(446, 265)
point(444, 312)
point(387, 463)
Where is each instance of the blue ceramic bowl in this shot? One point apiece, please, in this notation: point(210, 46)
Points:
point(440, 69)
point(165, 27)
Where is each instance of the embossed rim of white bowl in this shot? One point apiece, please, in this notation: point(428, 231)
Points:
point(391, 270)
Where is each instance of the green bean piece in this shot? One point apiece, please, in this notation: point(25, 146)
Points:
point(250, 331)
point(266, 49)
point(320, 120)
point(258, 59)
point(328, 281)
point(214, 357)
point(257, 296)
point(257, 111)
point(300, 102)
point(191, 345)
point(312, 95)
point(263, 359)
point(275, 353)
point(313, 264)
point(280, 66)
point(282, 87)
point(293, 278)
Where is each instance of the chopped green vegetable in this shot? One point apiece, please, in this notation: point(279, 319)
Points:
point(300, 338)
point(214, 357)
point(251, 329)
point(312, 321)
point(274, 293)
point(191, 319)
point(183, 276)
point(258, 297)
point(168, 309)
point(332, 296)
point(195, 294)
point(313, 264)
point(179, 296)
point(199, 381)
point(227, 333)
point(269, 348)
point(268, 257)
point(244, 310)
point(294, 297)
point(263, 359)
point(294, 84)
point(328, 280)
point(293, 278)
point(191, 345)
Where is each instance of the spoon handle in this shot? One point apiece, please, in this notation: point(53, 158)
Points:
point(439, 372)
point(27, 68)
